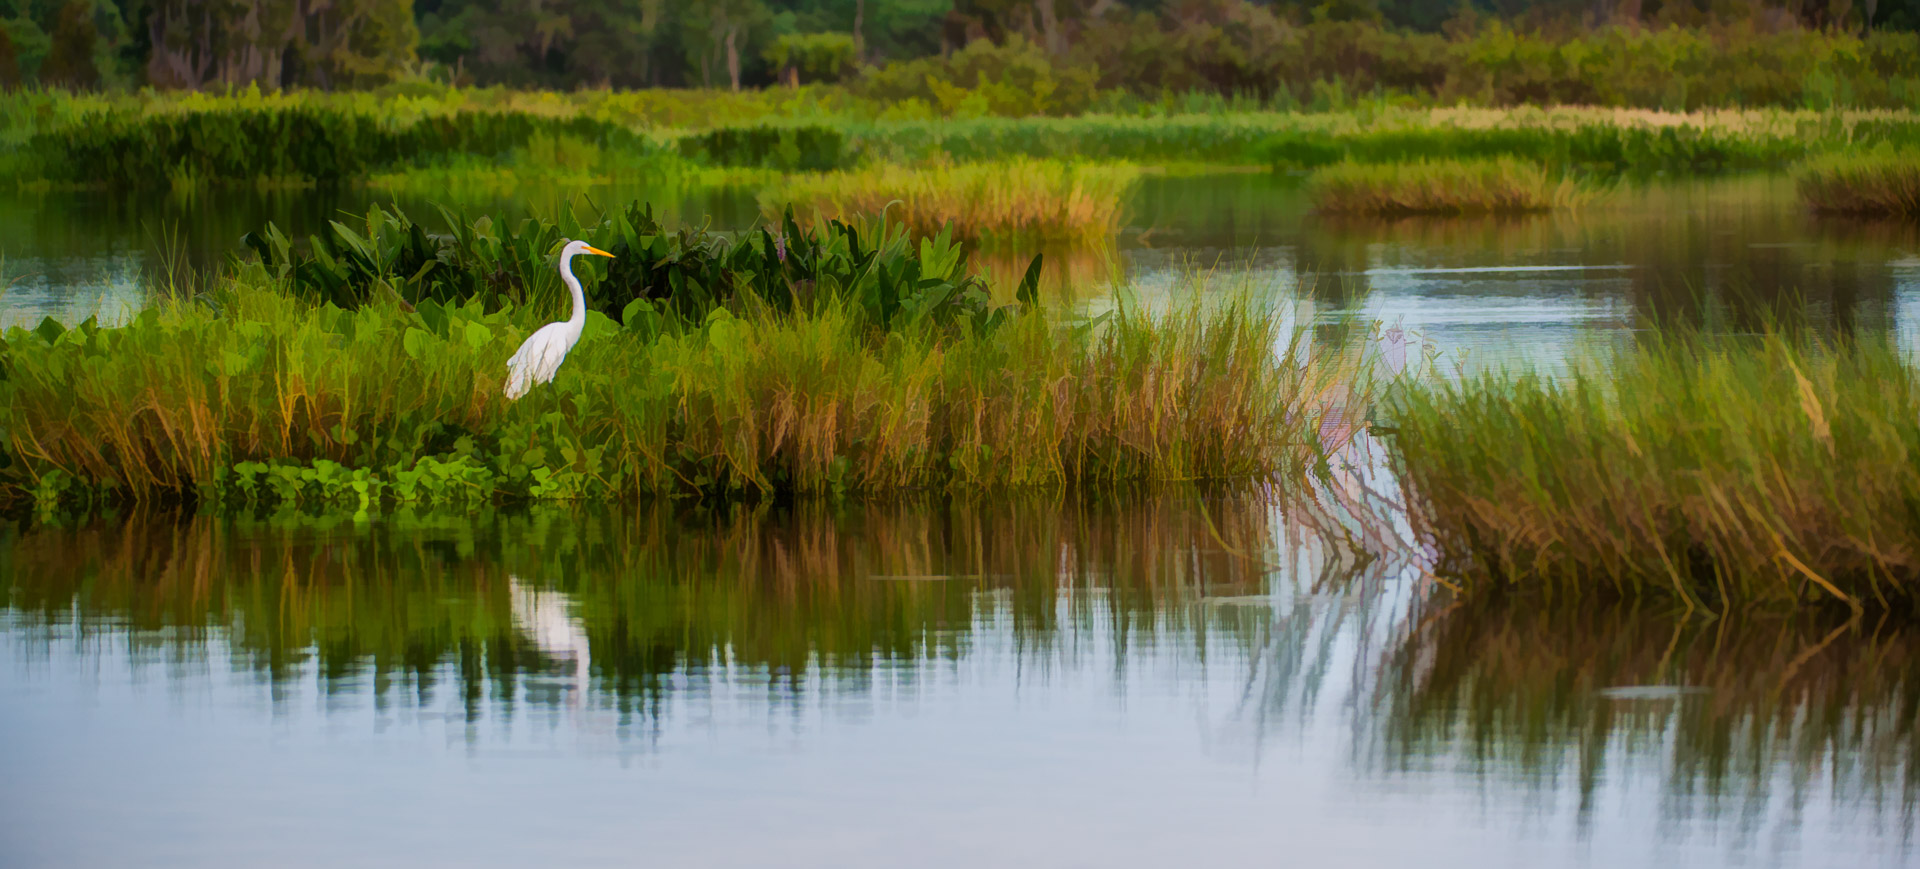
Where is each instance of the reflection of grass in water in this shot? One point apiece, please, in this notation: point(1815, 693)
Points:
point(657, 593)
point(1754, 471)
point(1530, 693)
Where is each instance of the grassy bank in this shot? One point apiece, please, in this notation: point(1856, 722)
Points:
point(1882, 183)
point(1023, 201)
point(1721, 475)
point(261, 390)
point(1502, 186)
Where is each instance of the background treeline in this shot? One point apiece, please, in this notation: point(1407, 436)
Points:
point(1001, 56)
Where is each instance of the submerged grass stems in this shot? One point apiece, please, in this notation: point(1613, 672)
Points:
point(1718, 474)
point(1499, 186)
point(1022, 200)
point(1882, 183)
point(746, 402)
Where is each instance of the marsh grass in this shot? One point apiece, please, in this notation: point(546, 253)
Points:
point(1019, 201)
point(1884, 182)
point(1719, 474)
point(1456, 187)
point(746, 402)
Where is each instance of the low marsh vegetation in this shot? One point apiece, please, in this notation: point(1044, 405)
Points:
point(261, 390)
point(1884, 182)
point(1499, 186)
point(1719, 474)
point(1021, 201)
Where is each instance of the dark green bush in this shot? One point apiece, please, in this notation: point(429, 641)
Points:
point(317, 145)
point(791, 149)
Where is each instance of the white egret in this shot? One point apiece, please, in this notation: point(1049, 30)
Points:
point(539, 358)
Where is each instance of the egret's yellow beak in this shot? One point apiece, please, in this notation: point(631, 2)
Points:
point(592, 249)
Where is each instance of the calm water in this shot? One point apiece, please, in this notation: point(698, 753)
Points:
point(1726, 254)
point(1178, 679)
point(1168, 681)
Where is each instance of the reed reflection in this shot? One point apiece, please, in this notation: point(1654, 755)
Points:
point(624, 608)
point(1755, 718)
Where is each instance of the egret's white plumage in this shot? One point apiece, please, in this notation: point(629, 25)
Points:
point(539, 358)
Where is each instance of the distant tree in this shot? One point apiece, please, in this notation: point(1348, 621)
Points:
point(69, 62)
point(9, 62)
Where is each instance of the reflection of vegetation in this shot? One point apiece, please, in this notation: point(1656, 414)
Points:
point(1500, 186)
point(777, 591)
point(1025, 200)
point(1532, 694)
point(1717, 473)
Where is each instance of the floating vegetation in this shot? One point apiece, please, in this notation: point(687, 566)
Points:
point(1718, 474)
point(1499, 186)
point(1884, 182)
point(1022, 200)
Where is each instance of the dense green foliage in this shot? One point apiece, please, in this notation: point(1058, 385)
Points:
point(656, 273)
point(980, 57)
point(299, 144)
point(1717, 474)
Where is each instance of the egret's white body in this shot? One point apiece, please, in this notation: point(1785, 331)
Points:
point(539, 358)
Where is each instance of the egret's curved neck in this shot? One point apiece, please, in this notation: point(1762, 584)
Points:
point(579, 317)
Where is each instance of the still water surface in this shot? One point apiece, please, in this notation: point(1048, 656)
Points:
point(1174, 680)
point(1162, 680)
point(1726, 254)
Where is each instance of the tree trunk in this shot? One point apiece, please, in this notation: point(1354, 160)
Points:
point(859, 41)
point(1050, 27)
point(733, 56)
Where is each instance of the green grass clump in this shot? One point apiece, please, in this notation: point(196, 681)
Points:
point(1500, 186)
point(1718, 474)
point(1022, 200)
point(1882, 183)
point(256, 388)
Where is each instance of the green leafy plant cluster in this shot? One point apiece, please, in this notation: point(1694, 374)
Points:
point(658, 278)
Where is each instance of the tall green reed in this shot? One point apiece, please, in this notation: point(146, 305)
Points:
point(1716, 474)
